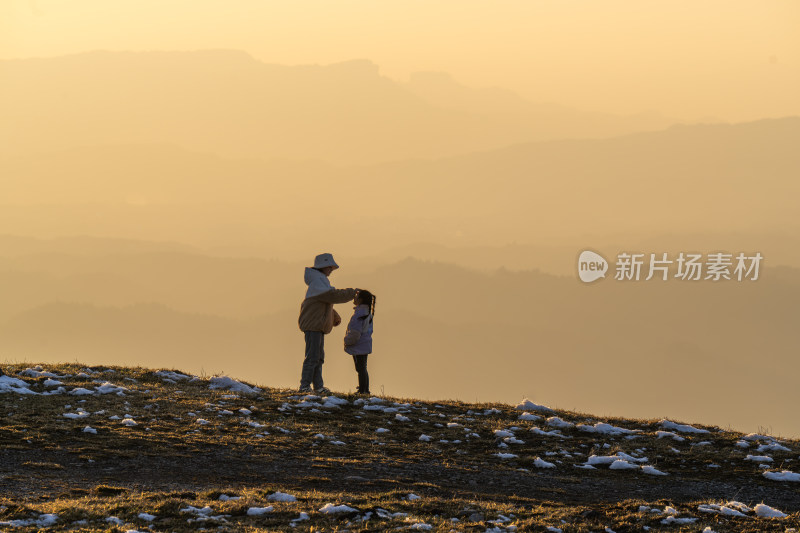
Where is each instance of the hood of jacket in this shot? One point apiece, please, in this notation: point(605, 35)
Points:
point(317, 282)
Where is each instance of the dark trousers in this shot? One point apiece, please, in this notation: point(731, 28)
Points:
point(315, 356)
point(363, 376)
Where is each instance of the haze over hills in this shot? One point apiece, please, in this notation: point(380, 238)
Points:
point(226, 102)
point(144, 224)
point(442, 331)
point(700, 180)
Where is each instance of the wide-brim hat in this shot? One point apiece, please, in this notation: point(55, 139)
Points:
point(324, 260)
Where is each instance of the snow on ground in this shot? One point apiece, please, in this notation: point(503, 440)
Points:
point(543, 433)
point(258, 511)
point(647, 469)
point(772, 447)
point(765, 511)
point(528, 405)
point(42, 521)
point(110, 388)
point(759, 458)
point(79, 414)
point(683, 428)
point(281, 497)
point(330, 508)
point(670, 434)
point(506, 455)
point(609, 459)
point(605, 429)
point(622, 464)
point(556, 422)
point(38, 372)
point(784, 475)
point(174, 376)
point(15, 385)
point(541, 463)
point(224, 382)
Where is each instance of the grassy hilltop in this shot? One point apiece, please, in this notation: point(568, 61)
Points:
point(120, 449)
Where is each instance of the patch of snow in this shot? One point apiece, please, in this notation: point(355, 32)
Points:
point(784, 475)
point(556, 422)
point(333, 402)
point(329, 508)
point(174, 376)
point(110, 388)
point(674, 520)
point(683, 428)
point(529, 416)
point(37, 372)
point(765, 511)
point(670, 434)
point(281, 497)
point(759, 458)
point(606, 429)
point(15, 385)
point(506, 455)
point(772, 447)
point(225, 382)
point(89, 429)
point(146, 517)
point(621, 464)
point(647, 469)
point(553, 433)
point(541, 463)
point(528, 405)
point(79, 414)
point(258, 511)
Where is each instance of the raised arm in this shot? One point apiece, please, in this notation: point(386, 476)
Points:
point(337, 296)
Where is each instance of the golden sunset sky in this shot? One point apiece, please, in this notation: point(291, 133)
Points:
point(685, 59)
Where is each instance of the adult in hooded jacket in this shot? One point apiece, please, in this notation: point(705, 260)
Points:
point(318, 318)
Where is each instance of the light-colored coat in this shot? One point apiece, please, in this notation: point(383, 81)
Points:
point(316, 311)
point(358, 339)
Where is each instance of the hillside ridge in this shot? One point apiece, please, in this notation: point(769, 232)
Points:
point(88, 448)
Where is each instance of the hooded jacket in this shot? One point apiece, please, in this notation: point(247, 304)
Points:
point(316, 311)
point(358, 339)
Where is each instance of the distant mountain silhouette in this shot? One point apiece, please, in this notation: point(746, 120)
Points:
point(685, 179)
point(228, 103)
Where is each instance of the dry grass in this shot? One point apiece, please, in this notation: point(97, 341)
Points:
point(169, 462)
